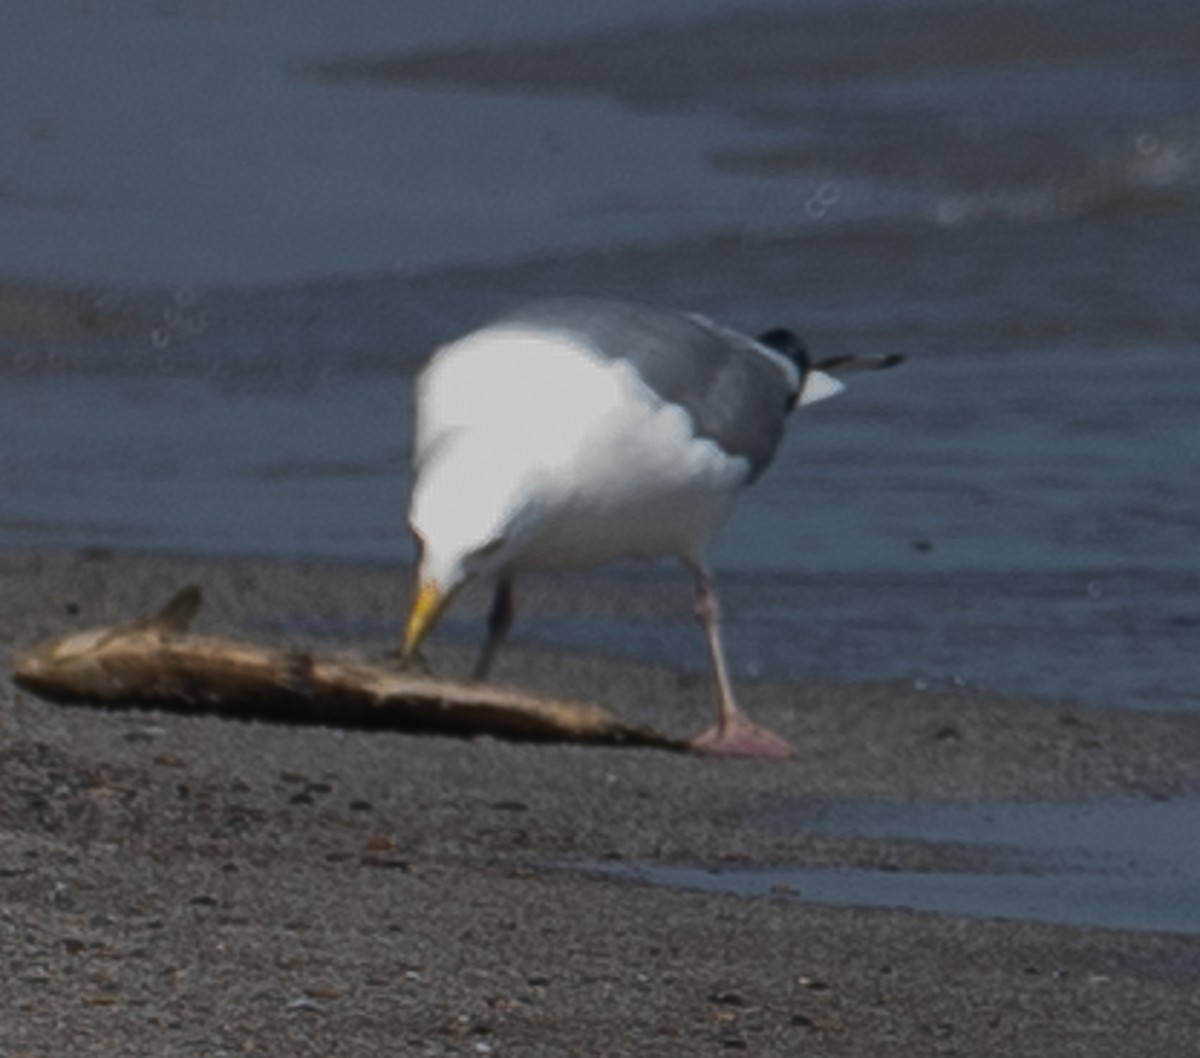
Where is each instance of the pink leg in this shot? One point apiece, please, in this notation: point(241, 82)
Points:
point(734, 734)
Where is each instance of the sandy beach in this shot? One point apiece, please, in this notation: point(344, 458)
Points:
point(967, 594)
point(179, 885)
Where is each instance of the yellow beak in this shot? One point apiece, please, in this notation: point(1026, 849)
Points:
point(427, 607)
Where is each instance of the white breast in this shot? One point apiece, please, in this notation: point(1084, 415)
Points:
point(568, 452)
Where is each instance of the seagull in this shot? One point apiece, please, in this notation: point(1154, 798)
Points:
point(576, 431)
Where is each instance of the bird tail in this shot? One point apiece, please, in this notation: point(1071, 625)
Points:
point(819, 380)
point(818, 385)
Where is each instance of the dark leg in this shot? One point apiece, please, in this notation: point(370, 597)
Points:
point(734, 734)
point(500, 620)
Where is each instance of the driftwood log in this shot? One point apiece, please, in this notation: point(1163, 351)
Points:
point(155, 663)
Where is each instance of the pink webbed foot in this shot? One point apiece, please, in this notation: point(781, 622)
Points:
point(740, 737)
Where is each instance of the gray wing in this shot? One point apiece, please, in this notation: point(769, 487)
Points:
point(736, 394)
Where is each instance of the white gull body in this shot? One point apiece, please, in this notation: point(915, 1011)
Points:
point(568, 459)
point(574, 432)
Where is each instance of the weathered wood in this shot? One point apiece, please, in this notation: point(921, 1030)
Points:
point(155, 663)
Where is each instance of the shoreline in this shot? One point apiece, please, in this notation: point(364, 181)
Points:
point(173, 882)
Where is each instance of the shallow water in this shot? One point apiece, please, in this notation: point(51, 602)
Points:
point(1122, 865)
point(262, 222)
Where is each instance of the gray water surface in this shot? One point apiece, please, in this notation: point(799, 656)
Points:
point(1114, 865)
point(228, 235)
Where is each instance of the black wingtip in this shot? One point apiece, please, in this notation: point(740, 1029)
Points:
point(838, 364)
point(789, 343)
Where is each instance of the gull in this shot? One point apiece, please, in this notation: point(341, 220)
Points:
point(576, 431)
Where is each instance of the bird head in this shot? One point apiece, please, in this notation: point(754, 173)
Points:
point(461, 514)
point(442, 572)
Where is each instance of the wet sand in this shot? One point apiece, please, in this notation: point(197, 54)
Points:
point(177, 885)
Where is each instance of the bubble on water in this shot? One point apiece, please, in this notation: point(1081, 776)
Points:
point(181, 320)
point(1147, 144)
point(828, 194)
point(1095, 589)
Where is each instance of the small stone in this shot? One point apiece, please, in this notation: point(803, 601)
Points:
point(304, 1003)
point(385, 863)
point(726, 999)
point(169, 760)
point(145, 733)
point(100, 999)
point(381, 852)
